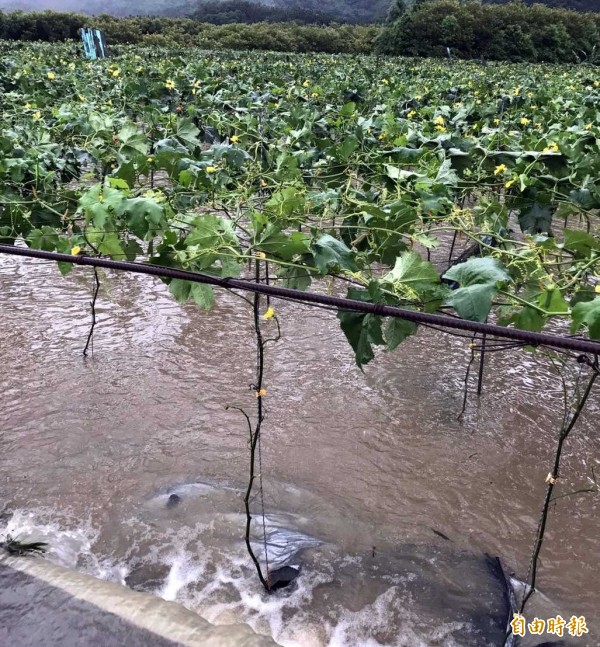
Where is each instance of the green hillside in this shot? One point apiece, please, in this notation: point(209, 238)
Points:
point(228, 11)
point(342, 10)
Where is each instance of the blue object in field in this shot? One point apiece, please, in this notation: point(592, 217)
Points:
point(94, 43)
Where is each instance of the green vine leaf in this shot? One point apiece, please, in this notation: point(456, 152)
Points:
point(580, 243)
point(203, 295)
point(397, 330)
point(478, 279)
point(180, 289)
point(587, 313)
point(410, 269)
point(362, 331)
point(331, 254)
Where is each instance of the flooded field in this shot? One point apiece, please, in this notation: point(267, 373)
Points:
point(386, 501)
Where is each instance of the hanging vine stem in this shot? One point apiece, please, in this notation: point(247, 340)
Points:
point(569, 423)
point(93, 301)
point(481, 364)
point(255, 438)
point(93, 307)
point(472, 347)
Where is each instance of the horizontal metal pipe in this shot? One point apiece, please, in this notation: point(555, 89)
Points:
point(562, 342)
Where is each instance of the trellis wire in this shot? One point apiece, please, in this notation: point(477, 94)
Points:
point(576, 344)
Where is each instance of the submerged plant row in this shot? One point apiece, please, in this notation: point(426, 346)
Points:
point(438, 186)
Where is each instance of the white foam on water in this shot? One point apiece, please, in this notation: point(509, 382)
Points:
point(359, 627)
point(64, 546)
point(182, 573)
point(69, 547)
point(219, 583)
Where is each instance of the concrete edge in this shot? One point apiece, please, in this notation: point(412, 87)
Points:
point(166, 619)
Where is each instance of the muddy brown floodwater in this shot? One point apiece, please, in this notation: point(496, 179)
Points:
point(360, 469)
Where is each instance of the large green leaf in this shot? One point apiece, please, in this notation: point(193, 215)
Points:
point(296, 278)
point(203, 295)
point(285, 246)
point(410, 269)
point(361, 330)
point(397, 330)
point(331, 254)
point(473, 302)
point(478, 270)
point(535, 218)
point(478, 279)
point(143, 214)
point(587, 313)
point(133, 142)
point(580, 243)
point(285, 203)
point(180, 290)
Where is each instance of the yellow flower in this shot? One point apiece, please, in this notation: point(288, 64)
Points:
point(418, 97)
point(411, 114)
point(263, 183)
point(235, 139)
point(439, 120)
point(501, 168)
point(169, 84)
point(517, 91)
point(75, 250)
point(211, 169)
point(51, 76)
point(116, 73)
point(597, 289)
point(385, 81)
point(305, 84)
point(314, 95)
point(150, 160)
point(27, 106)
point(496, 121)
point(525, 121)
point(510, 183)
point(261, 393)
point(269, 314)
point(589, 126)
point(260, 255)
point(440, 129)
point(552, 148)
point(597, 84)
point(37, 115)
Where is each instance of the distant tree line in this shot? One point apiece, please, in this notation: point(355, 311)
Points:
point(185, 32)
point(576, 5)
point(514, 31)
